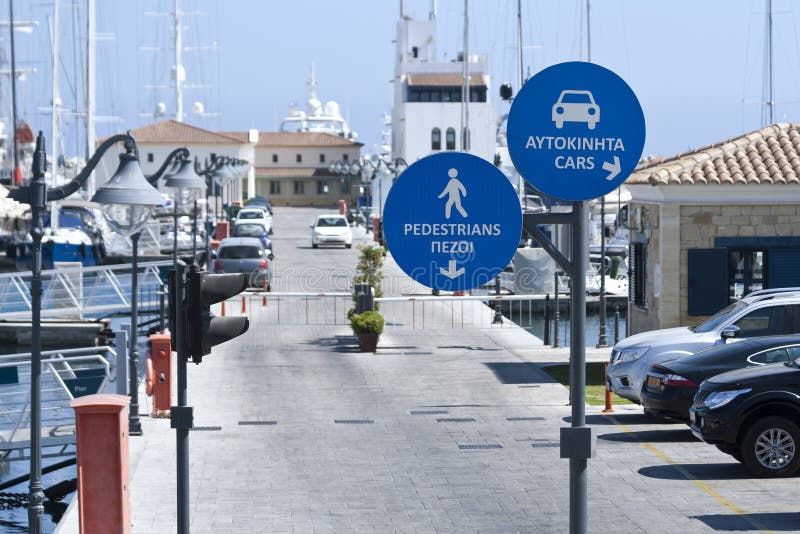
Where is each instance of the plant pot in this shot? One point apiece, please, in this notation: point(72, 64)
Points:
point(368, 341)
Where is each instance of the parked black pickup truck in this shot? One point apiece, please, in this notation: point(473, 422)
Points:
point(753, 414)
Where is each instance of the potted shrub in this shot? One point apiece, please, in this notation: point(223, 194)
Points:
point(368, 327)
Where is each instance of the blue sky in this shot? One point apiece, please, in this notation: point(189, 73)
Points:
point(697, 67)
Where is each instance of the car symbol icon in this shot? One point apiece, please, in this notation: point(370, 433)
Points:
point(576, 106)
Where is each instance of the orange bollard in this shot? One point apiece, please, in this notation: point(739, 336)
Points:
point(244, 304)
point(222, 311)
point(264, 301)
point(104, 503)
point(608, 407)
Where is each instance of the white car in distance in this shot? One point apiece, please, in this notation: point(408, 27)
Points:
point(258, 215)
point(331, 230)
point(576, 106)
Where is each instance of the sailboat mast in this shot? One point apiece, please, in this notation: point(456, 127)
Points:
point(13, 93)
point(588, 34)
point(770, 100)
point(90, 89)
point(55, 112)
point(465, 93)
point(519, 45)
point(178, 65)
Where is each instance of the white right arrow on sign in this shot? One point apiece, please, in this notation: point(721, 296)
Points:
point(451, 271)
point(613, 169)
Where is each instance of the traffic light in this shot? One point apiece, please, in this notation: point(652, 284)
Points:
point(203, 329)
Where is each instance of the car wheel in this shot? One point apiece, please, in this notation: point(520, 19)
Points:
point(314, 245)
point(769, 447)
point(348, 245)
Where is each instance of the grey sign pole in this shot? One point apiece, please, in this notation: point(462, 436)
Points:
point(577, 441)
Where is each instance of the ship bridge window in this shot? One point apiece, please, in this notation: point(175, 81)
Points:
point(445, 94)
point(450, 139)
point(436, 139)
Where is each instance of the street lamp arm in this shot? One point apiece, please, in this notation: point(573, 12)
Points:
point(57, 193)
point(183, 152)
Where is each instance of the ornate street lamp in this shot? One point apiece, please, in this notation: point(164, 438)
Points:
point(127, 199)
point(188, 187)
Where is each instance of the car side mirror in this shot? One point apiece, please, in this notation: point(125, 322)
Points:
point(730, 332)
point(311, 226)
point(271, 257)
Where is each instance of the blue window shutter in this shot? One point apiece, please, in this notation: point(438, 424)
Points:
point(784, 267)
point(708, 280)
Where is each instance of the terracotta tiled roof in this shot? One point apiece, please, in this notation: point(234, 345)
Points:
point(177, 133)
point(770, 155)
point(299, 139)
point(445, 79)
point(291, 172)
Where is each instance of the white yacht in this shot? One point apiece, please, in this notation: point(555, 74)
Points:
point(316, 117)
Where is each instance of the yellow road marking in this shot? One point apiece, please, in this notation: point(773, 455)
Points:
point(688, 476)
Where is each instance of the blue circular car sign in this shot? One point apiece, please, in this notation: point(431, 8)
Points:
point(452, 221)
point(576, 131)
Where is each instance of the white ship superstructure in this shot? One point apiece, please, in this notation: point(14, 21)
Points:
point(428, 114)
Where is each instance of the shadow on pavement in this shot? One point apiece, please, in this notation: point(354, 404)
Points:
point(343, 344)
point(651, 436)
point(519, 373)
point(775, 521)
point(622, 418)
point(467, 347)
point(729, 471)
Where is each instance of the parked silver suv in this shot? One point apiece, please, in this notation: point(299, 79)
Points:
point(766, 312)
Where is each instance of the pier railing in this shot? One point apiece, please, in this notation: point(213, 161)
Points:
point(65, 374)
point(82, 292)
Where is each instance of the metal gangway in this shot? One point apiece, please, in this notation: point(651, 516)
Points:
point(65, 375)
point(83, 292)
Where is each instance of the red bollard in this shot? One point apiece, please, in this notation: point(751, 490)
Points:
point(104, 503)
point(223, 230)
point(608, 407)
point(244, 304)
point(159, 374)
point(342, 207)
point(222, 311)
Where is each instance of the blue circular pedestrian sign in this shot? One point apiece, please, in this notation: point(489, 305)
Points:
point(576, 131)
point(452, 221)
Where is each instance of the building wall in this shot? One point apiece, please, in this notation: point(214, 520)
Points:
point(697, 226)
point(287, 156)
point(309, 197)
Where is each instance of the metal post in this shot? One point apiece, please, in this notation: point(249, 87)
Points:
point(121, 346)
point(547, 319)
point(162, 308)
point(182, 430)
point(616, 324)
point(134, 425)
point(556, 311)
point(37, 202)
point(602, 342)
point(577, 372)
point(194, 233)
point(175, 231)
point(498, 304)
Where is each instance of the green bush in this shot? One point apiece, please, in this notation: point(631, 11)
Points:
point(367, 322)
point(368, 270)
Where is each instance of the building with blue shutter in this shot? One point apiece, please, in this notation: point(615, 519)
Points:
point(712, 225)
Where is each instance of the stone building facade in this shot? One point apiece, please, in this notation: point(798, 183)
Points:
point(712, 225)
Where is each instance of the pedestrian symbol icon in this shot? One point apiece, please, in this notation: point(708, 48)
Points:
point(453, 190)
point(576, 106)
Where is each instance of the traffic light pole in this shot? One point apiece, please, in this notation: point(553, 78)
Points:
point(181, 415)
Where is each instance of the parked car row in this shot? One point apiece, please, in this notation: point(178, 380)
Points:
point(735, 379)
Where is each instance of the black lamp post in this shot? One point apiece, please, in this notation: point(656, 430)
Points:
point(126, 199)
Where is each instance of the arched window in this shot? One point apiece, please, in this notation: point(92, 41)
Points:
point(450, 139)
point(436, 139)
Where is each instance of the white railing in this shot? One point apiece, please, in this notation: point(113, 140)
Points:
point(414, 312)
point(81, 292)
point(62, 371)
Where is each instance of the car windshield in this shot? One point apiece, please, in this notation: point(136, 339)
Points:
point(575, 98)
point(251, 214)
point(248, 230)
point(240, 252)
point(718, 318)
point(324, 222)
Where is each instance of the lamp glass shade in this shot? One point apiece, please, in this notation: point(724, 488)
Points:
point(126, 219)
point(185, 177)
point(354, 168)
point(222, 175)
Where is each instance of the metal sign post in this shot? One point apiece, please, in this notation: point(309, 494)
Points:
point(575, 132)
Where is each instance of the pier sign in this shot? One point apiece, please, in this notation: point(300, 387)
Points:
point(452, 221)
point(576, 131)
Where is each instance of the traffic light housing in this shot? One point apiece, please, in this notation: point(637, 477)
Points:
point(203, 329)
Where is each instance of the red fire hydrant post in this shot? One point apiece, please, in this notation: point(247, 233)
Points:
point(342, 206)
point(609, 407)
point(104, 503)
point(159, 374)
